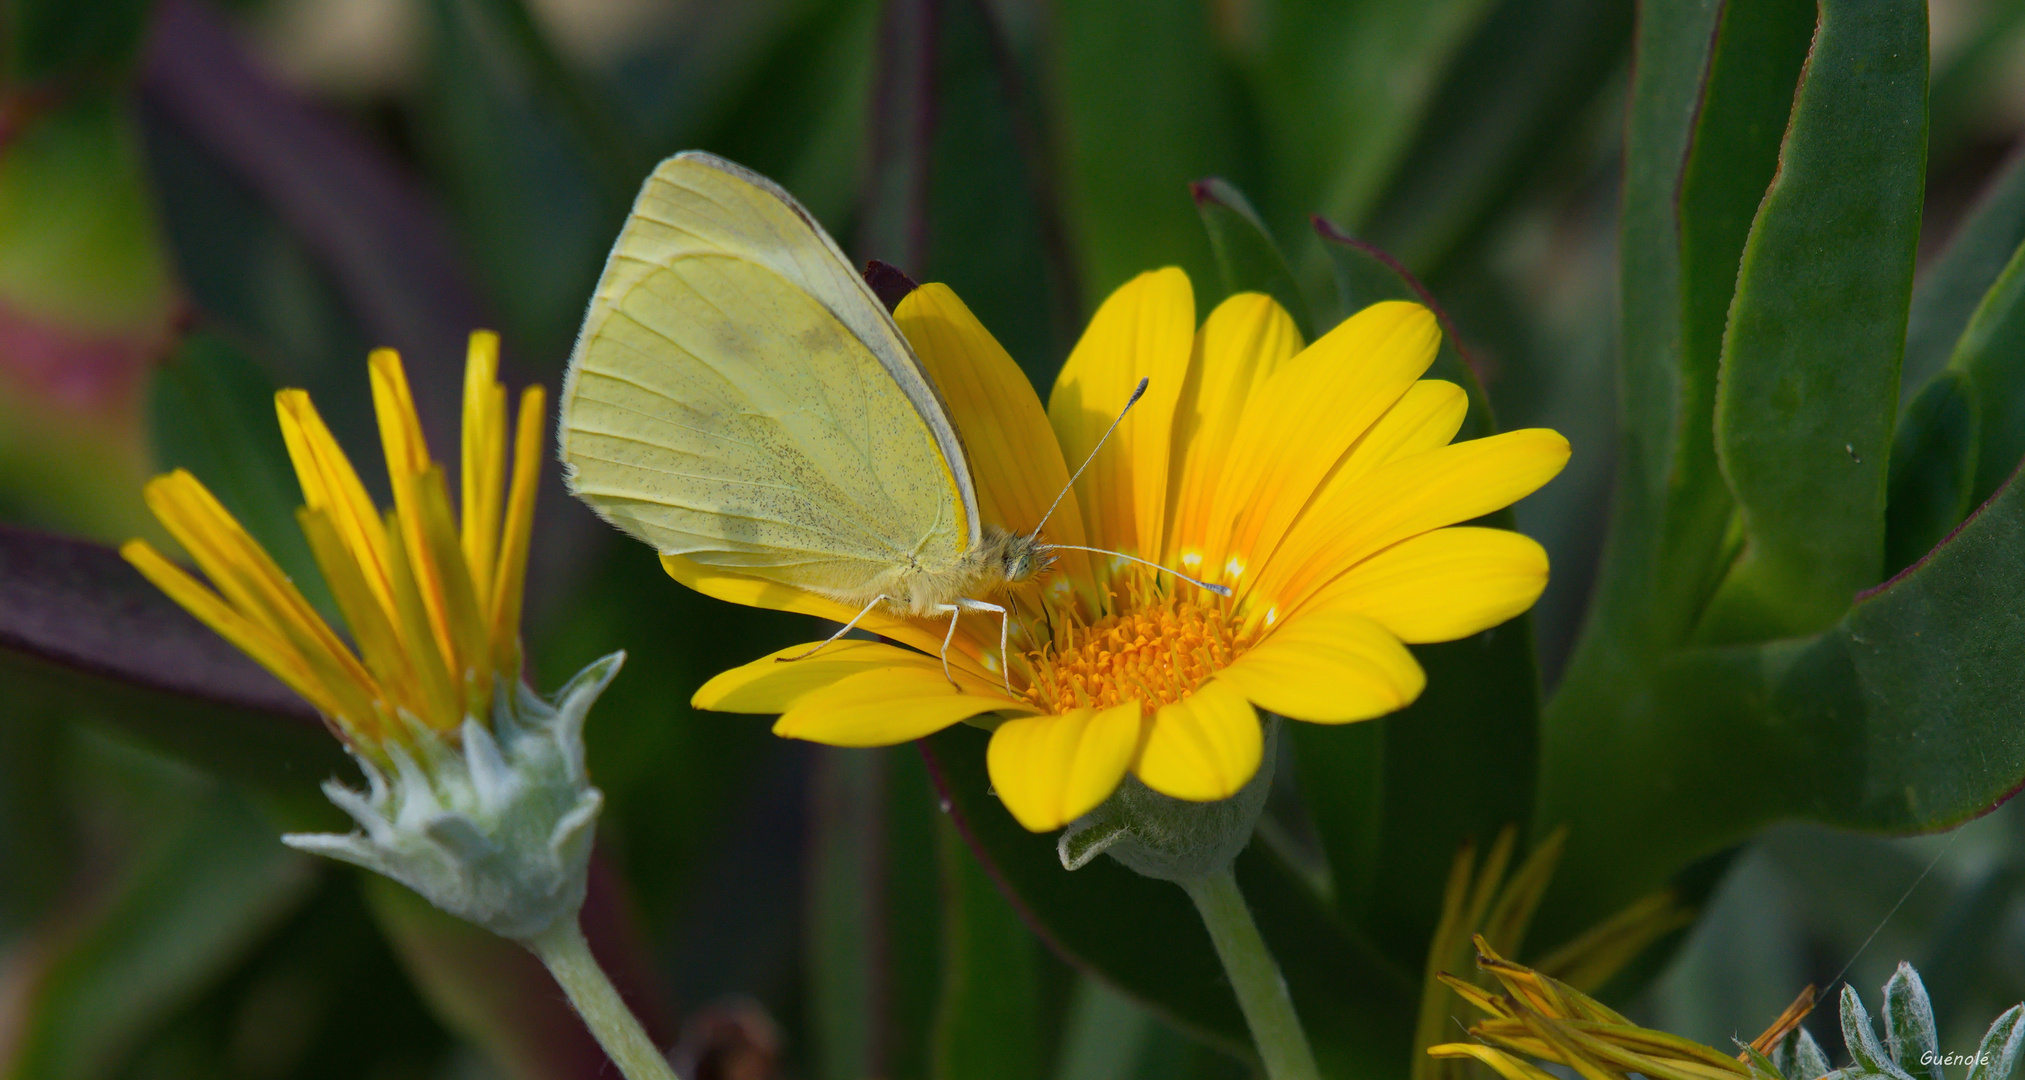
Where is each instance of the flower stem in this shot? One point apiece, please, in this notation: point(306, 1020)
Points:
point(1254, 975)
point(568, 956)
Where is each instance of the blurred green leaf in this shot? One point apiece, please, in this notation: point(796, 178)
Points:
point(1513, 94)
point(994, 227)
point(1143, 937)
point(345, 202)
point(1245, 251)
point(1341, 92)
point(78, 240)
point(212, 412)
point(988, 1024)
point(1144, 104)
point(1933, 469)
point(1950, 290)
point(799, 113)
point(83, 636)
point(1810, 365)
point(180, 923)
point(485, 988)
point(1476, 723)
point(60, 39)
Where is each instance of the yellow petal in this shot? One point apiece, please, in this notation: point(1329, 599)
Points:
point(271, 652)
point(1242, 343)
point(1146, 329)
point(1328, 666)
point(1442, 585)
point(1404, 498)
point(773, 683)
point(1014, 458)
point(394, 405)
point(1304, 420)
point(1425, 418)
point(1051, 770)
point(1507, 1066)
point(329, 483)
point(885, 706)
point(509, 580)
point(483, 475)
point(734, 588)
point(1204, 747)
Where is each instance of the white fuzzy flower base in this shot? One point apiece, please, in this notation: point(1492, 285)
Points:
point(497, 830)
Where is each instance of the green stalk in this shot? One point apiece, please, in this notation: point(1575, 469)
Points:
point(1254, 975)
point(568, 956)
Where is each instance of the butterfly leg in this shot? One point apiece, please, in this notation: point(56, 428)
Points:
point(967, 604)
point(826, 642)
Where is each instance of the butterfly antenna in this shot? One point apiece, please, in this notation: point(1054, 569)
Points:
point(1220, 590)
point(1137, 393)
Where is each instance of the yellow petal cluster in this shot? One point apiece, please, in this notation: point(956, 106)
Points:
point(1318, 481)
point(431, 595)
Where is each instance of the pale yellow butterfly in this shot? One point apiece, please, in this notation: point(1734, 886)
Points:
point(740, 397)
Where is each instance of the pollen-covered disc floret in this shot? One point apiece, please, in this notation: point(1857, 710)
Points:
point(1158, 647)
point(1320, 482)
point(476, 793)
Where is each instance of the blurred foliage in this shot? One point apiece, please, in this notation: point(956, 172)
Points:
point(1767, 279)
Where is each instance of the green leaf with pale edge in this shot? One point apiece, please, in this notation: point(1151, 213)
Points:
point(1245, 252)
point(1143, 936)
point(1810, 365)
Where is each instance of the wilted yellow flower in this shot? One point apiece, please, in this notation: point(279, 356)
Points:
point(1319, 484)
point(1541, 1018)
point(431, 596)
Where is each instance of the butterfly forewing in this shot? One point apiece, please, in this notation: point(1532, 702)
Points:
point(738, 396)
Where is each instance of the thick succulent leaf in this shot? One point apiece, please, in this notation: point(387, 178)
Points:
point(1143, 937)
point(988, 1024)
point(198, 905)
point(1711, 92)
point(1949, 290)
point(1909, 1032)
point(1476, 723)
point(1988, 356)
point(1933, 468)
point(1901, 718)
point(1245, 252)
point(1511, 94)
point(1810, 363)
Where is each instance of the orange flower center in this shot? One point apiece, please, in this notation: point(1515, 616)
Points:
point(1157, 653)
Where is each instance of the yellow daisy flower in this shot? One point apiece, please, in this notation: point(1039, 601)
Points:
point(432, 599)
point(1319, 484)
